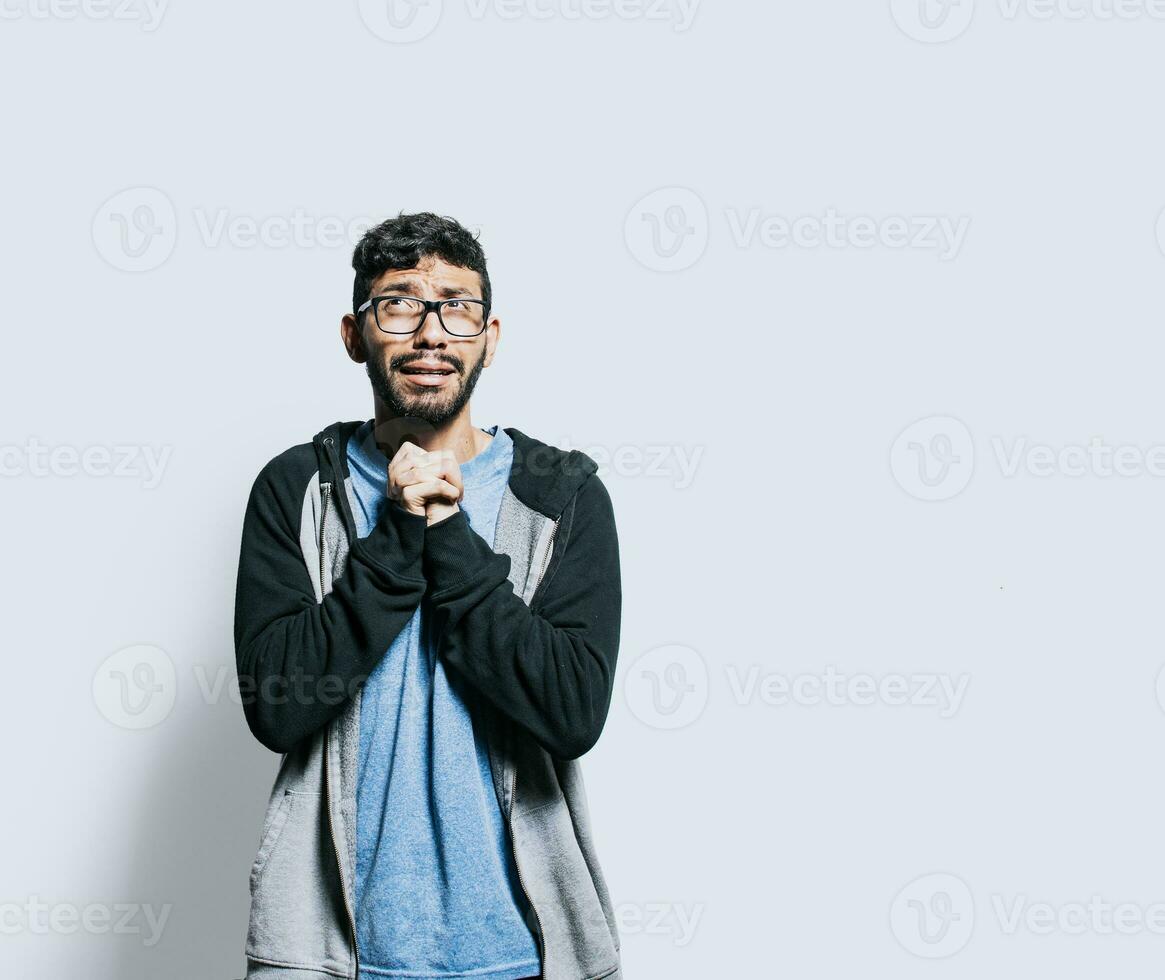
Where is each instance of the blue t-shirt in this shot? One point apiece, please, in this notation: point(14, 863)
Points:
point(437, 893)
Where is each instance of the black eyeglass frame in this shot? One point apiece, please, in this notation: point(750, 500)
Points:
point(431, 306)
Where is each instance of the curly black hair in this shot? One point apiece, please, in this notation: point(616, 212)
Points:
point(401, 243)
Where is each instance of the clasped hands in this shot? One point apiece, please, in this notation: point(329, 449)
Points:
point(425, 482)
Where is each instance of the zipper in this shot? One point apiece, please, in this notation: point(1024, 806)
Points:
point(339, 859)
point(325, 497)
point(325, 491)
point(518, 866)
point(545, 561)
point(514, 779)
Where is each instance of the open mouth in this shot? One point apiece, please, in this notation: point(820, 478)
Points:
point(427, 376)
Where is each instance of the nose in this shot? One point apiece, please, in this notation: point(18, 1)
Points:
point(430, 333)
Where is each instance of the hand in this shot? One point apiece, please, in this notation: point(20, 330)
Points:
point(425, 482)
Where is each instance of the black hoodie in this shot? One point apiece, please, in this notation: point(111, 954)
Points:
point(548, 666)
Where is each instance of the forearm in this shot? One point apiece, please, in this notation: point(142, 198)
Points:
point(551, 669)
point(299, 660)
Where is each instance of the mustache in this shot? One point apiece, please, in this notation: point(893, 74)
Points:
point(404, 361)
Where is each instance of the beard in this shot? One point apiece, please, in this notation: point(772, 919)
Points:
point(434, 406)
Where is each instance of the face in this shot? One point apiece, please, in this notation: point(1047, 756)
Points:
point(396, 362)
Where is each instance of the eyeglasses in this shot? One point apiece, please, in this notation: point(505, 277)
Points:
point(404, 314)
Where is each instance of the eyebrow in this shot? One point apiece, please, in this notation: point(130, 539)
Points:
point(412, 287)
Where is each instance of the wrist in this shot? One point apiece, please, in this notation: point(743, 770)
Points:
point(439, 511)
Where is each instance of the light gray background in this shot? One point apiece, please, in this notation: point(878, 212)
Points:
point(789, 828)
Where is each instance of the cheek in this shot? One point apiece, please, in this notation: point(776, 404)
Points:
point(380, 352)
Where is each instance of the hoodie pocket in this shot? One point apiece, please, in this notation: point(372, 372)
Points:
point(560, 883)
point(297, 910)
point(272, 828)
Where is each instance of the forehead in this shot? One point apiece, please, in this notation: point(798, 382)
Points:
point(433, 273)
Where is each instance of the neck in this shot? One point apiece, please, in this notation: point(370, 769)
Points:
point(458, 434)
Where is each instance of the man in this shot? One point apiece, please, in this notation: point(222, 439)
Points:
point(426, 626)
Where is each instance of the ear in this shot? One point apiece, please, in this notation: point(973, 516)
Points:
point(493, 334)
point(353, 339)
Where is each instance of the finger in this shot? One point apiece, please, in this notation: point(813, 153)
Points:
point(419, 472)
point(430, 490)
point(406, 453)
point(410, 466)
point(448, 469)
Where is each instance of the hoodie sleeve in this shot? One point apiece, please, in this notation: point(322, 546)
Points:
point(550, 670)
point(300, 660)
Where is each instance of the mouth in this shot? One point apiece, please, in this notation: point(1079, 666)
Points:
point(426, 376)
